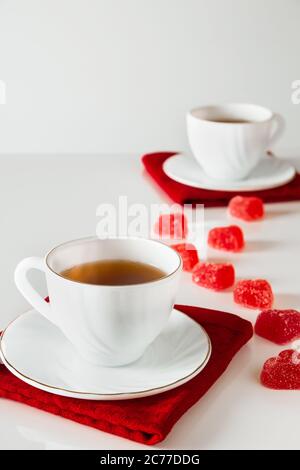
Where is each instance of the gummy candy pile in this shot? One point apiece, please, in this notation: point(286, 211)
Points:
point(278, 326)
point(255, 293)
point(281, 327)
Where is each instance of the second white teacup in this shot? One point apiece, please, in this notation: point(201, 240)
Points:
point(229, 140)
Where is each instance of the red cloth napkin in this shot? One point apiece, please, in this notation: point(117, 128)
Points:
point(183, 194)
point(146, 420)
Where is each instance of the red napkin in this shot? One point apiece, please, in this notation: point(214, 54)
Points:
point(183, 194)
point(146, 420)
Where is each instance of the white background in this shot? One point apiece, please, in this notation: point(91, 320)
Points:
point(117, 76)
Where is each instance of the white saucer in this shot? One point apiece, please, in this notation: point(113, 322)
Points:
point(271, 172)
point(37, 352)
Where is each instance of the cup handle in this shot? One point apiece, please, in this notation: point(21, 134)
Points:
point(25, 287)
point(278, 126)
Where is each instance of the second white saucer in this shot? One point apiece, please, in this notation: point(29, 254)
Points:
point(271, 172)
point(38, 353)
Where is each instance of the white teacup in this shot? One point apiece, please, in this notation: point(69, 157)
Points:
point(108, 325)
point(229, 140)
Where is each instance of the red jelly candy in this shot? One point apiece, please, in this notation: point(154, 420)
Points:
point(246, 208)
point(226, 238)
point(279, 326)
point(172, 225)
point(282, 372)
point(216, 276)
point(253, 294)
point(189, 255)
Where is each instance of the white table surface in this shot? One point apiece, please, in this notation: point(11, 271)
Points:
point(49, 199)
